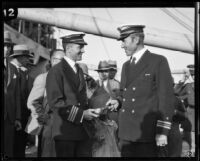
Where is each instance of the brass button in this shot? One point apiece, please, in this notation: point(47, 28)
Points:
point(133, 99)
point(167, 118)
point(133, 111)
point(124, 99)
point(124, 89)
point(134, 88)
point(123, 110)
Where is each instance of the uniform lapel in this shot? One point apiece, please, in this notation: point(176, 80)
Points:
point(70, 75)
point(133, 72)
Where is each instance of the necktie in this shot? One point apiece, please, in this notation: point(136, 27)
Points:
point(77, 71)
point(132, 61)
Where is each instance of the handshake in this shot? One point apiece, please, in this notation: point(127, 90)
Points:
point(111, 105)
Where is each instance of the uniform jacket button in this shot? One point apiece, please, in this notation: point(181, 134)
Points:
point(134, 88)
point(124, 89)
point(123, 110)
point(133, 111)
point(133, 99)
point(124, 99)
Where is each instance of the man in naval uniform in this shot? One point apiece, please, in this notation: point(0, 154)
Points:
point(66, 96)
point(146, 102)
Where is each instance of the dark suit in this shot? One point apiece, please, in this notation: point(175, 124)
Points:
point(147, 103)
point(66, 95)
point(12, 104)
point(21, 136)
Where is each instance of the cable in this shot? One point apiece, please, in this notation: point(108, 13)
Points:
point(183, 15)
point(104, 45)
point(178, 20)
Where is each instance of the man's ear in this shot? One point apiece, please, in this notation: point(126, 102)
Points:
point(137, 39)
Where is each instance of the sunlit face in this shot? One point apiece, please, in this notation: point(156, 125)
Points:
point(76, 52)
point(57, 57)
point(103, 75)
point(129, 44)
point(7, 49)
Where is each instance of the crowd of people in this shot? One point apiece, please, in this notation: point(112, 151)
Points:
point(145, 114)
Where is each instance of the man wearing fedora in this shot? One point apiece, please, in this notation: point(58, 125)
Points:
point(66, 96)
point(12, 110)
point(102, 70)
point(147, 97)
point(20, 60)
point(185, 91)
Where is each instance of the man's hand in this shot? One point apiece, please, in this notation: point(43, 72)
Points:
point(161, 140)
point(89, 114)
point(18, 125)
point(112, 104)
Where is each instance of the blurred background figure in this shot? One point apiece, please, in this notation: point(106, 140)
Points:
point(20, 59)
point(102, 70)
point(40, 120)
point(113, 87)
point(185, 91)
point(174, 147)
point(105, 140)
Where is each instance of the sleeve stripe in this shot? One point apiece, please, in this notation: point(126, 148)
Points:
point(71, 113)
point(163, 125)
point(167, 127)
point(164, 122)
point(76, 110)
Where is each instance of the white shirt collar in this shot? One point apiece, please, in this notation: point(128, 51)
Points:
point(71, 63)
point(139, 54)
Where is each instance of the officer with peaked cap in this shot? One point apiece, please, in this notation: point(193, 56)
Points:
point(146, 102)
point(66, 95)
point(20, 59)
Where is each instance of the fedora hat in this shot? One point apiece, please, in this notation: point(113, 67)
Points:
point(7, 38)
point(112, 64)
point(21, 50)
point(103, 65)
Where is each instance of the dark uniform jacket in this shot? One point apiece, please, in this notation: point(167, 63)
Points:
point(147, 99)
point(66, 96)
point(12, 102)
